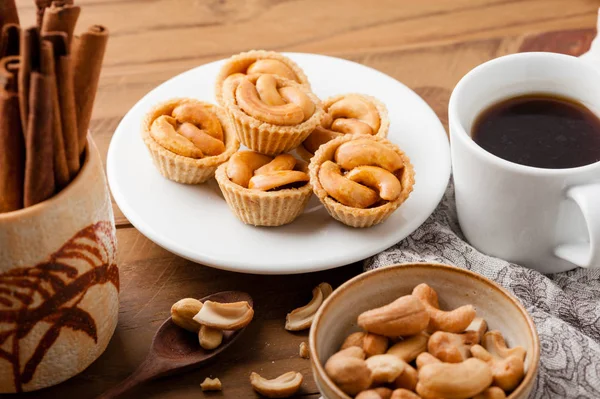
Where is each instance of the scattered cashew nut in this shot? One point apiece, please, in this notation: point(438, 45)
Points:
point(454, 380)
point(301, 318)
point(211, 384)
point(304, 352)
point(210, 338)
point(225, 316)
point(405, 316)
point(379, 179)
point(409, 348)
point(454, 321)
point(183, 312)
point(349, 371)
point(283, 386)
point(450, 347)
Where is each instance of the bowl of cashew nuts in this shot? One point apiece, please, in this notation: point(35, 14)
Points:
point(423, 330)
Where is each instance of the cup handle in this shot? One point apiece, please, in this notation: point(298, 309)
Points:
point(587, 197)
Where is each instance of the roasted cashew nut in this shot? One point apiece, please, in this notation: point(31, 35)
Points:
point(408, 378)
point(301, 318)
point(280, 162)
point(386, 183)
point(266, 85)
point(225, 316)
point(376, 393)
point(454, 380)
point(318, 137)
point(491, 393)
point(409, 348)
point(183, 312)
point(297, 96)
point(272, 180)
point(201, 118)
point(366, 152)
point(343, 190)
point(404, 394)
point(454, 321)
point(356, 108)
point(204, 142)
point(210, 338)
point(507, 372)
point(385, 368)
point(249, 101)
point(355, 339)
point(242, 164)
point(211, 384)
point(452, 348)
point(478, 325)
point(405, 316)
point(351, 126)
point(164, 133)
point(372, 344)
point(283, 386)
point(426, 358)
point(274, 67)
point(349, 371)
point(493, 342)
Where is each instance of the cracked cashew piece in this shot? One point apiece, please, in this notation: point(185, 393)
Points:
point(426, 358)
point(301, 318)
point(183, 312)
point(385, 368)
point(478, 325)
point(454, 380)
point(454, 321)
point(404, 394)
point(304, 352)
point(409, 348)
point(225, 316)
point(343, 190)
point(405, 316)
point(452, 348)
point(408, 378)
point(283, 386)
point(493, 342)
point(491, 393)
point(210, 338)
point(349, 371)
point(507, 372)
point(376, 393)
point(366, 152)
point(385, 183)
point(211, 384)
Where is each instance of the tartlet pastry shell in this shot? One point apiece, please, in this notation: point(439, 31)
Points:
point(263, 208)
point(384, 117)
point(267, 138)
point(356, 217)
point(184, 169)
point(241, 62)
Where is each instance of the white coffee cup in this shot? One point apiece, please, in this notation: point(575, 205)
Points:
point(546, 219)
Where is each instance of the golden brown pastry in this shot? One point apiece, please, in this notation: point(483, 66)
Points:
point(347, 114)
point(259, 62)
point(361, 180)
point(262, 190)
point(188, 139)
point(272, 115)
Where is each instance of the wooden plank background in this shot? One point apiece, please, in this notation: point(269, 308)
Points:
point(428, 45)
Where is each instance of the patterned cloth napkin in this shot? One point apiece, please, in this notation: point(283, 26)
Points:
point(564, 306)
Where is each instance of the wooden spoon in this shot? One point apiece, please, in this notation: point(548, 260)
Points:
point(175, 350)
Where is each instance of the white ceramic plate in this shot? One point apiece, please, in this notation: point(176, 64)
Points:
point(195, 222)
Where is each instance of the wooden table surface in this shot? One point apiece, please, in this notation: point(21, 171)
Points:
point(428, 45)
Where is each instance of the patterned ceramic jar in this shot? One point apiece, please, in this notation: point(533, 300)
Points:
point(59, 283)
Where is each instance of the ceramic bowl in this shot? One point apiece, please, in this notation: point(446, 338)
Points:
point(336, 319)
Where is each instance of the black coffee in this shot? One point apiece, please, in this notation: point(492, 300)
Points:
point(540, 130)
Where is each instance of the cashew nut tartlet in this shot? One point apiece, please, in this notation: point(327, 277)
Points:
point(271, 114)
point(347, 114)
point(262, 190)
point(361, 180)
point(255, 62)
point(188, 139)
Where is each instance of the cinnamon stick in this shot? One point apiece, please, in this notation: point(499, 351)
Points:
point(61, 171)
point(66, 99)
point(12, 146)
point(30, 61)
point(39, 165)
point(8, 13)
point(88, 56)
point(9, 43)
point(41, 8)
point(60, 17)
